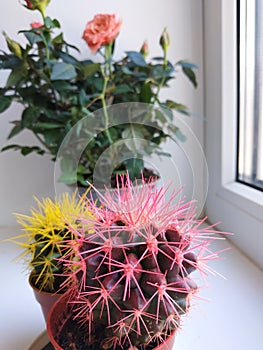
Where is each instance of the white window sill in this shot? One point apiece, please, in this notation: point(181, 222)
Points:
point(232, 318)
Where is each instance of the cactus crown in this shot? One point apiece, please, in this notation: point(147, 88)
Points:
point(132, 279)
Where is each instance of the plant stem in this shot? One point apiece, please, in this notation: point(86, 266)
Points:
point(106, 74)
point(160, 85)
point(42, 142)
point(105, 111)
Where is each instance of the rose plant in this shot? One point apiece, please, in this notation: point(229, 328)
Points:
point(57, 90)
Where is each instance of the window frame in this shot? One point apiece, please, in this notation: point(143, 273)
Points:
point(249, 162)
point(238, 206)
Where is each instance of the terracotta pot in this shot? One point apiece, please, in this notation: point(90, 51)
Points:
point(45, 299)
point(60, 313)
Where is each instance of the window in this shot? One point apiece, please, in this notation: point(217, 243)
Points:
point(250, 74)
point(239, 207)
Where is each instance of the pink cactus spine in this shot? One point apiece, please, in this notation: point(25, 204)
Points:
point(132, 278)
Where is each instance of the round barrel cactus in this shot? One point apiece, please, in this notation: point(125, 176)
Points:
point(137, 255)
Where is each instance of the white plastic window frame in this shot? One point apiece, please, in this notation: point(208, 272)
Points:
point(237, 206)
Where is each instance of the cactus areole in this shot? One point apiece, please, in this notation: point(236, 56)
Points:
point(131, 282)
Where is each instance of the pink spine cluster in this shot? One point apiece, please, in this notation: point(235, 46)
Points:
point(132, 279)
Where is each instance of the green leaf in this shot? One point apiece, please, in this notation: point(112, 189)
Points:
point(137, 58)
point(58, 41)
point(10, 62)
point(187, 68)
point(180, 135)
point(4, 103)
point(63, 71)
point(7, 148)
point(67, 58)
point(161, 153)
point(16, 129)
point(68, 178)
point(159, 72)
point(25, 150)
point(146, 93)
point(81, 169)
point(15, 77)
point(161, 117)
point(30, 115)
point(46, 126)
point(177, 132)
point(134, 138)
point(191, 75)
point(97, 83)
point(166, 111)
point(83, 99)
point(134, 167)
point(32, 37)
point(121, 89)
point(177, 106)
point(52, 23)
point(52, 137)
point(66, 165)
point(61, 85)
point(69, 173)
point(90, 68)
point(187, 64)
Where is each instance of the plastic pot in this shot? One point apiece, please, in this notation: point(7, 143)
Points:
point(45, 299)
point(59, 315)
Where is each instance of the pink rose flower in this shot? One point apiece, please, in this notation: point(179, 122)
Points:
point(36, 25)
point(102, 30)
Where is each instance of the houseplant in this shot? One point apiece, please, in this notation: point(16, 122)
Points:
point(56, 90)
point(133, 282)
point(45, 238)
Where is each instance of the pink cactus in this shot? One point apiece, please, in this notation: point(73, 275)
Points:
point(132, 277)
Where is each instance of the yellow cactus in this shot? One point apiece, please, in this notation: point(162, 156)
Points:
point(48, 235)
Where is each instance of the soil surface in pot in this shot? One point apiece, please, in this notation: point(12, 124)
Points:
point(73, 337)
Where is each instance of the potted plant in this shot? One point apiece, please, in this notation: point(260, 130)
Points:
point(132, 283)
point(57, 90)
point(46, 237)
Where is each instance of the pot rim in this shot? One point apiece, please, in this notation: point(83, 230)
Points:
point(37, 290)
point(166, 344)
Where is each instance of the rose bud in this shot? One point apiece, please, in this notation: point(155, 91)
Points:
point(39, 5)
point(144, 49)
point(28, 4)
point(164, 40)
point(13, 46)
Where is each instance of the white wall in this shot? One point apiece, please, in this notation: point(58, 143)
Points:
point(22, 177)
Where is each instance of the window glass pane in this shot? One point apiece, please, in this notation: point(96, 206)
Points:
point(250, 145)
